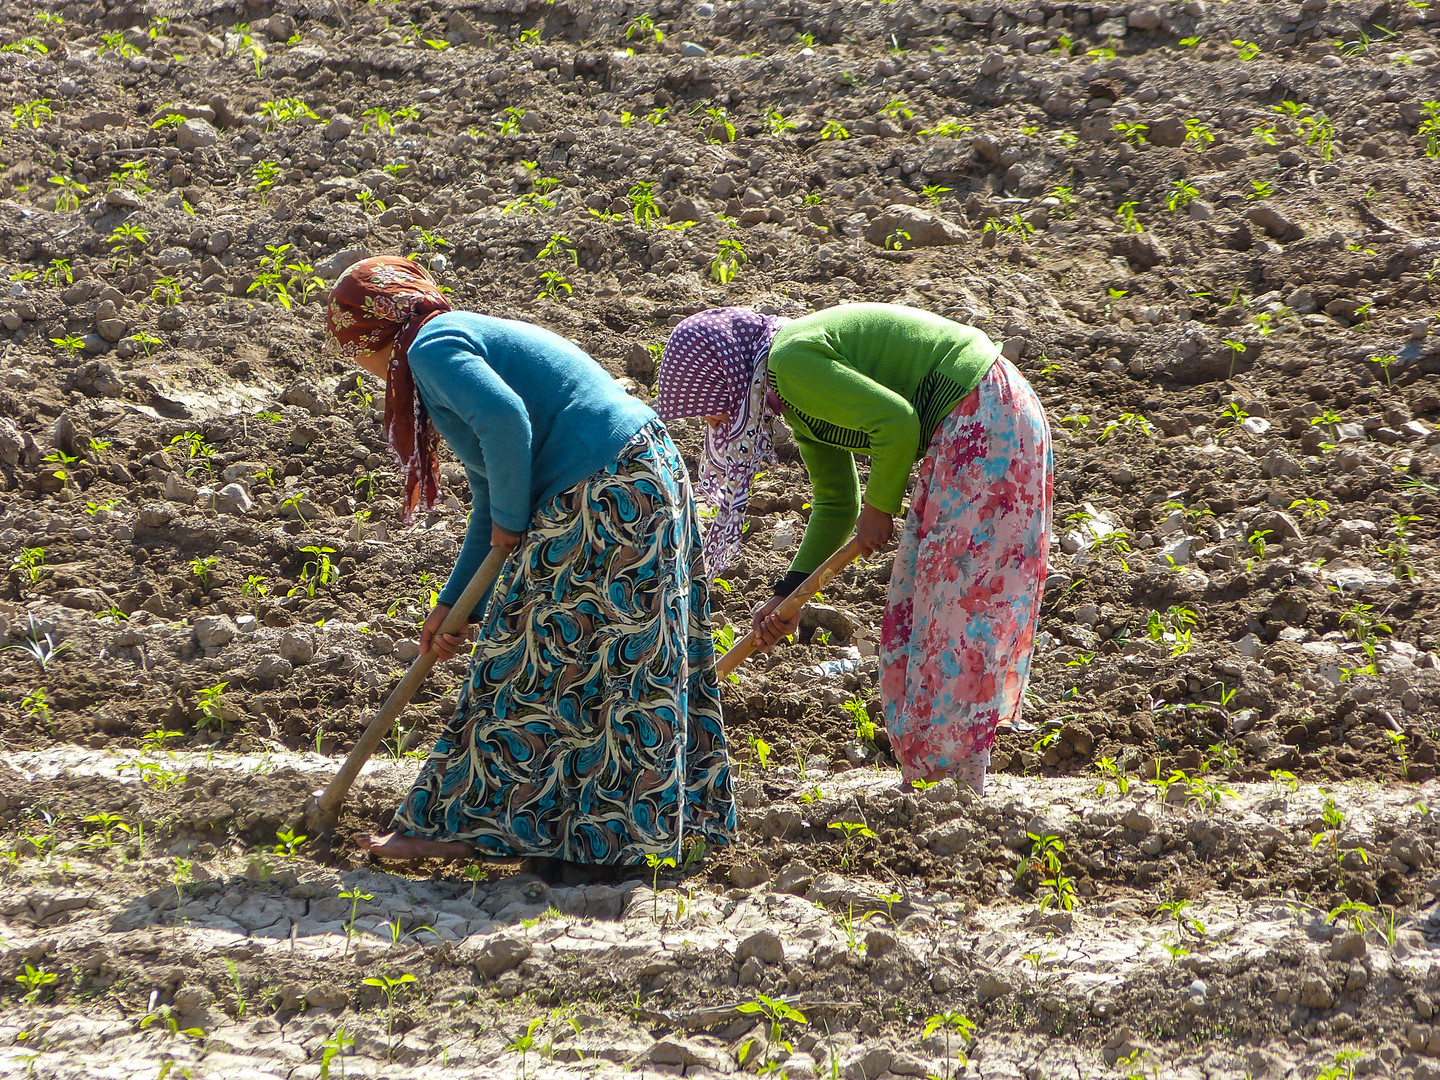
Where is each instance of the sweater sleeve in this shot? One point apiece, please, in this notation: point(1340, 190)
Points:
point(817, 381)
point(497, 416)
point(476, 545)
point(834, 502)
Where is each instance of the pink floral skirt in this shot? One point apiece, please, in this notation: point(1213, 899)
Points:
point(969, 573)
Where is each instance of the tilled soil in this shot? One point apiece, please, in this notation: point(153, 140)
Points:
point(1207, 234)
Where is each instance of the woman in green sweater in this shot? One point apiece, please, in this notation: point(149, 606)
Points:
point(899, 385)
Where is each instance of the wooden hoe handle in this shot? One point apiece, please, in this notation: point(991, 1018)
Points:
point(326, 805)
point(743, 648)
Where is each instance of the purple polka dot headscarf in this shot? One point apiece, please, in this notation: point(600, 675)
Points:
point(715, 364)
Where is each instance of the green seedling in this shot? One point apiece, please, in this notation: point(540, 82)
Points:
point(523, 1044)
point(951, 1022)
point(656, 864)
point(354, 895)
point(202, 567)
point(1128, 221)
point(1129, 425)
point(37, 707)
point(284, 111)
point(1245, 50)
point(34, 980)
point(1384, 363)
point(126, 239)
point(642, 203)
point(1429, 129)
point(181, 871)
point(561, 247)
point(850, 830)
point(389, 987)
point(945, 129)
point(833, 129)
point(1182, 195)
point(716, 127)
point(32, 114)
point(643, 26)
point(776, 124)
point(109, 825)
point(777, 1013)
point(864, 726)
point(1134, 134)
point(729, 257)
point(67, 199)
point(40, 647)
point(30, 563)
point(1197, 136)
point(315, 571)
point(145, 340)
point(289, 844)
point(1397, 548)
point(1111, 772)
point(239, 988)
point(761, 750)
point(476, 873)
point(897, 240)
point(333, 1047)
point(552, 285)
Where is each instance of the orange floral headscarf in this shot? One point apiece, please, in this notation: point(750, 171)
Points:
point(385, 301)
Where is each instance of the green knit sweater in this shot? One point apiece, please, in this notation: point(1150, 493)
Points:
point(871, 379)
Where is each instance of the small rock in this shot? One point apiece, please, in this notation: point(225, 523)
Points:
point(272, 670)
point(123, 199)
point(1146, 18)
point(498, 955)
point(339, 127)
point(840, 624)
point(1273, 222)
point(178, 489)
point(332, 267)
point(763, 944)
point(690, 48)
point(112, 330)
point(1169, 131)
point(867, 1063)
point(749, 873)
point(924, 228)
point(1277, 463)
point(1248, 646)
point(1347, 947)
point(950, 838)
point(297, 647)
point(327, 996)
point(995, 984)
point(195, 134)
point(1140, 822)
point(1281, 526)
point(795, 878)
point(302, 435)
point(213, 631)
point(406, 649)
point(233, 499)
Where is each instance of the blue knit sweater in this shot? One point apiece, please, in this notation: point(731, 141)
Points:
point(528, 414)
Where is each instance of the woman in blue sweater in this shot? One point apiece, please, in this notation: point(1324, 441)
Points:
point(589, 729)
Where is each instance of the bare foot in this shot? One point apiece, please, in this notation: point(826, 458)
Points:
point(397, 847)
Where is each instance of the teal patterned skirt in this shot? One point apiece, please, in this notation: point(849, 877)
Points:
point(589, 728)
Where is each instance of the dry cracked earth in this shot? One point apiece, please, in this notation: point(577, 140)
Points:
point(1206, 231)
